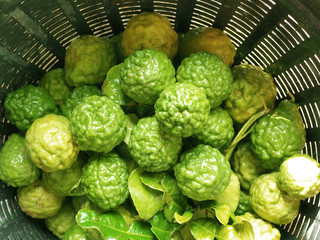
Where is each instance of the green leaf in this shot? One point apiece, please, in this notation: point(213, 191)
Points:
point(175, 200)
point(204, 228)
point(184, 218)
point(112, 226)
point(161, 227)
point(146, 200)
point(245, 229)
point(222, 211)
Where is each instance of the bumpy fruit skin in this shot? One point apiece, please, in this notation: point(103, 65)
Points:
point(261, 228)
point(76, 96)
point(16, 167)
point(202, 173)
point(53, 81)
point(219, 130)
point(62, 181)
point(26, 104)
point(270, 203)
point(111, 86)
point(50, 144)
point(207, 39)
point(105, 180)
point(150, 30)
point(182, 109)
point(98, 124)
point(76, 233)
point(60, 223)
point(246, 164)
point(88, 59)
point(278, 135)
point(116, 40)
point(209, 72)
point(145, 74)
point(244, 204)
point(299, 176)
point(252, 90)
point(36, 201)
point(151, 148)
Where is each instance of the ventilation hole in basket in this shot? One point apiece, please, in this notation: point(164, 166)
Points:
point(95, 15)
point(313, 231)
point(128, 10)
point(167, 8)
point(205, 13)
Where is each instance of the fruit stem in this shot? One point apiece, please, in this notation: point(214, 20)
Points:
point(244, 131)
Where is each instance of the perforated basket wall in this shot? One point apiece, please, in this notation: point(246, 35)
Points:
point(281, 36)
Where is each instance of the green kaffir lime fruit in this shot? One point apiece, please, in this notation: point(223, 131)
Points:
point(202, 173)
point(111, 86)
point(152, 148)
point(218, 132)
point(98, 124)
point(16, 167)
point(252, 91)
point(299, 176)
point(50, 144)
point(278, 135)
point(61, 182)
point(270, 203)
point(53, 81)
point(76, 96)
point(116, 40)
point(244, 204)
point(76, 233)
point(145, 74)
point(37, 201)
point(26, 104)
point(182, 109)
point(209, 72)
point(105, 180)
point(246, 164)
point(88, 59)
point(61, 222)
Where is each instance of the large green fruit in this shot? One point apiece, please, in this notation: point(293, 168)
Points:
point(278, 135)
point(50, 144)
point(16, 167)
point(145, 74)
point(88, 59)
point(37, 201)
point(202, 173)
point(209, 72)
point(53, 81)
point(105, 180)
point(252, 90)
point(152, 148)
point(182, 109)
point(98, 124)
point(76, 96)
point(26, 104)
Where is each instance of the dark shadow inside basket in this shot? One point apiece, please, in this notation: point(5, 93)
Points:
point(281, 36)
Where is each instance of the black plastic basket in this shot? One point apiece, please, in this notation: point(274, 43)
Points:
point(281, 36)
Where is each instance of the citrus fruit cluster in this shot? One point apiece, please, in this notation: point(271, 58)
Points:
point(142, 137)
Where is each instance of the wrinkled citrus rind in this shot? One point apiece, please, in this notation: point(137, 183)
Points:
point(246, 164)
point(299, 176)
point(54, 83)
point(16, 167)
point(152, 149)
point(36, 201)
point(76, 96)
point(202, 173)
point(50, 144)
point(219, 130)
point(270, 203)
point(105, 180)
point(76, 233)
point(252, 91)
point(26, 104)
point(150, 30)
point(209, 72)
point(182, 109)
point(145, 74)
point(88, 59)
point(278, 135)
point(98, 124)
point(208, 39)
